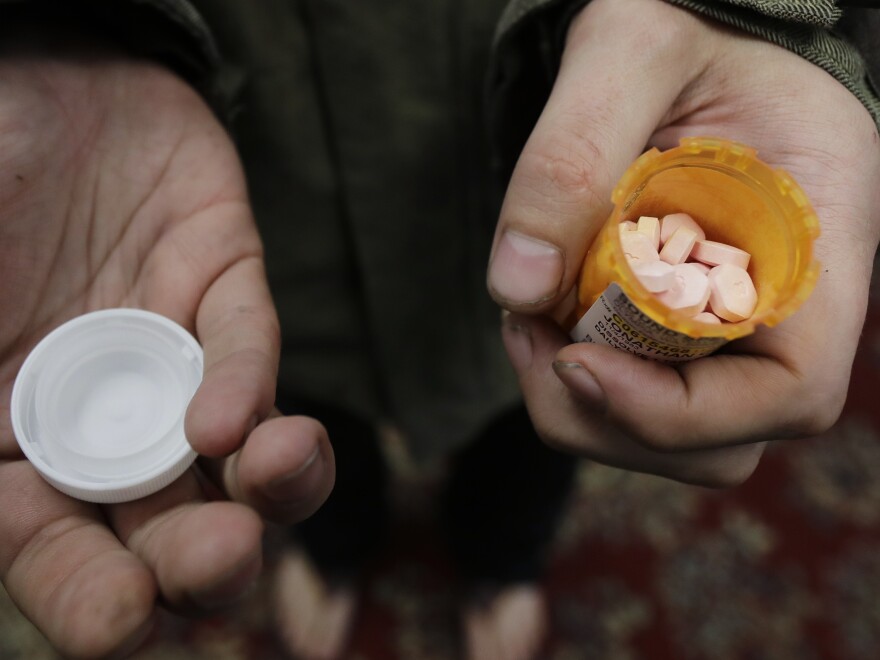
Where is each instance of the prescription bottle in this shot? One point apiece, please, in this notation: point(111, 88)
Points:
point(737, 200)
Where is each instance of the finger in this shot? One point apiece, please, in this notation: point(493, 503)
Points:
point(285, 471)
point(67, 572)
point(204, 555)
point(567, 419)
point(238, 329)
point(599, 117)
point(716, 401)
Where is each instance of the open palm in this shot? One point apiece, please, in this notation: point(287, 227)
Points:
point(118, 187)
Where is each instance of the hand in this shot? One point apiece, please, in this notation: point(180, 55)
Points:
point(642, 72)
point(119, 188)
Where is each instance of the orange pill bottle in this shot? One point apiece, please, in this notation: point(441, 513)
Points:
point(736, 199)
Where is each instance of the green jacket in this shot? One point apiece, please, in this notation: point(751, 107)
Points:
point(376, 179)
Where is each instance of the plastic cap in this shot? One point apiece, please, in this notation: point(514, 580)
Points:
point(98, 405)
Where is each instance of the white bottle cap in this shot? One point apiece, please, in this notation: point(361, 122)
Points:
point(98, 405)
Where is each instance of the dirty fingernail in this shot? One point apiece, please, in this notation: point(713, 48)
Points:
point(579, 379)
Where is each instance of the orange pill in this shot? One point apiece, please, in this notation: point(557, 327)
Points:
point(627, 225)
point(715, 254)
point(670, 223)
point(637, 247)
point(651, 228)
point(678, 248)
point(655, 276)
point(689, 292)
point(732, 293)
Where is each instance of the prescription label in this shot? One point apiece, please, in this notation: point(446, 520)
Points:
point(616, 321)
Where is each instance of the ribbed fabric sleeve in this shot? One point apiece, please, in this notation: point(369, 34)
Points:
point(806, 27)
point(803, 27)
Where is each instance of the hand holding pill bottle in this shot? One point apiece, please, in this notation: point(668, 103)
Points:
point(751, 252)
point(780, 373)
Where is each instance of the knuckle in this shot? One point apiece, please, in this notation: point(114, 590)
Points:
point(821, 419)
point(568, 172)
point(658, 438)
point(732, 472)
point(565, 171)
point(818, 412)
point(554, 436)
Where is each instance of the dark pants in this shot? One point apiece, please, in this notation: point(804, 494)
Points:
point(503, 499)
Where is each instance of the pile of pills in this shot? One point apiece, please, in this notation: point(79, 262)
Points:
point(673, 260)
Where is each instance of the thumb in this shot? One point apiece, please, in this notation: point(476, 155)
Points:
point(614, 88)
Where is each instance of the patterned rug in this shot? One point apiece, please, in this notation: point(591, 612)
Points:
point(786, 566)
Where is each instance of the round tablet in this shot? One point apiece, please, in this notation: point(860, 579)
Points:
point(98, 405)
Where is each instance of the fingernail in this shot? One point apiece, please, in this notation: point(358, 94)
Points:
point(578, 377)
point(525, 270)
point(518, 342)
point(283, 488)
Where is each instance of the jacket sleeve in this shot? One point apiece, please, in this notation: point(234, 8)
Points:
point(530, 35)
point(806, 27)
point(168, 31)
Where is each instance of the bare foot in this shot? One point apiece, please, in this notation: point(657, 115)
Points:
point(314, 620)
point(510, 625)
